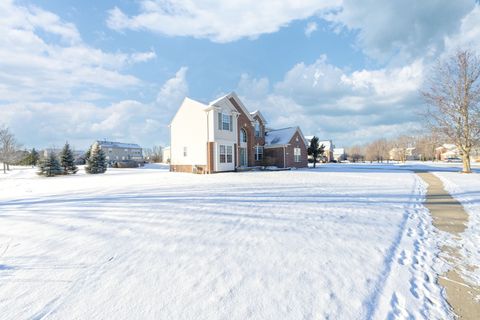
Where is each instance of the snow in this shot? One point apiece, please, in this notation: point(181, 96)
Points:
point(279, 137)
point(351, 242)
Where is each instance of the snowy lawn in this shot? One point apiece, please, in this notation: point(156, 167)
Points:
point(335, 242)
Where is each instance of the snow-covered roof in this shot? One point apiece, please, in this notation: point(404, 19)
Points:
point(112, 144)
point(281, 137)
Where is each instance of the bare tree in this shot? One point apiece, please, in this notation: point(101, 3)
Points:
point(377, 150)
point(8, 148)
point(154, 154)
point(356, 153)
point(453, 97)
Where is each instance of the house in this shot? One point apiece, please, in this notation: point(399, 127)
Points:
point(447, 151)
point(339, 154)
point(224, 136)
point(166, 155)
point(403, 154)
point(119, 151)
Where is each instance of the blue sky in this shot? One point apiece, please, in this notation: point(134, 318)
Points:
point(343, 70)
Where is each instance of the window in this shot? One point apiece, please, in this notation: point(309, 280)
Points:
point(258, 132)
point(222, 154)
point(243, 135)
point(184, 151)
point(225, 122)
point(229, 154)
point(297, 152)
point(258, 153)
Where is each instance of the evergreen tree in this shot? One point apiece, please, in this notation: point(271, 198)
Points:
point(315, 150)
point(50, 166)
point(67, 160)
point(34, 157)
point(97, 162)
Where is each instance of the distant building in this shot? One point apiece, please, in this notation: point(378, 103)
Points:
point(76, 153)
point(403, 154)
point(447, 151)
point(119, 151)
point(166, 155)
point(339, 154)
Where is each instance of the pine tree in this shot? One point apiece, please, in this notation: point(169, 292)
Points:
point(315, 150)
point(34, 157)
point(50, 166)
point(97, 162)
point(67, 160)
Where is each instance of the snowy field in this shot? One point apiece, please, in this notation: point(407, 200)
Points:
point(338, 242)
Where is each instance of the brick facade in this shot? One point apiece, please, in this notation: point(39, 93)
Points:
point(276, 156)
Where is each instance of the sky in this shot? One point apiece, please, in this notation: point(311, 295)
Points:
point(350, 71)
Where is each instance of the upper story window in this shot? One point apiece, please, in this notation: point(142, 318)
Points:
point(297, 152)
point(258, 129)
point(184, 151)
point(243, 135)
point(225, 122)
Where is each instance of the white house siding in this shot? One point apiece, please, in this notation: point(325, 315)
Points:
point(224, 166)
point(189, 129)
point(223, 137)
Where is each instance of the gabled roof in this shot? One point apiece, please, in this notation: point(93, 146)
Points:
point(258, 114)
point(282, 137)
point(237, 100)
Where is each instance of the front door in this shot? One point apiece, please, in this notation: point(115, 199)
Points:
point(243, 157)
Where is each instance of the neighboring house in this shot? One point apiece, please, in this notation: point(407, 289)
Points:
point(119, 151)
point(447, 151)
point(339, 154)
point(403, 154)
point(166, 155)
point(224, 136)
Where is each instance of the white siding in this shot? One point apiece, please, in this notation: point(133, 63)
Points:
point(189, 129)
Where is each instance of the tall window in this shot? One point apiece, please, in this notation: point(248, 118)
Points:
point(226, 154)
point(184, 151)
point(297, 152)
point(225, 122)
point(243, 135)
point(258, 153)
point(258, 132)
point(229, 154)
point(222, 154)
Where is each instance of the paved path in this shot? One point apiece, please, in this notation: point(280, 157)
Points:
point(449, 216)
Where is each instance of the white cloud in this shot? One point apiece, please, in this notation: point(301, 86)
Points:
point(401, 30)
point(173, 91)
point(347, 106)
point(219, 21)
point(310, 28)
point(143, 56)
point(35, 65)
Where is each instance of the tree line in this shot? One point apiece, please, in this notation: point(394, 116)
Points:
point(52, 164)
